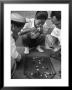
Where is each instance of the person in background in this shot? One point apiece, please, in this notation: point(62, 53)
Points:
point(53, 40)
point(34, 28)
point(17, 23)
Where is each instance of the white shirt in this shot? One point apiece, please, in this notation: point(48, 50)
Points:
point(49, 40)
point(30, 24)
point(57, 33)
point(14, 52)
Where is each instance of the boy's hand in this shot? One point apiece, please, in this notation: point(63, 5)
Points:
point(33, 35)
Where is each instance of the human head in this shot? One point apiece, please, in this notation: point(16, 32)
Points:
point(56, 18)
point(40, 17)
point(17, 22)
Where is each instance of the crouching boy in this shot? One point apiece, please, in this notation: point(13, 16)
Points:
point(35, 37)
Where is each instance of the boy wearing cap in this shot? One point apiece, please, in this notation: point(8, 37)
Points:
point(17, 23)
point(35, 37)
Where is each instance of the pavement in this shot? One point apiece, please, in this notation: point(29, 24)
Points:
point(19, 73)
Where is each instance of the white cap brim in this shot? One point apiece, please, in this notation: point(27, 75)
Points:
point(17, 17)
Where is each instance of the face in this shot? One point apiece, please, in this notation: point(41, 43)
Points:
point(15, 28)
point(39, 22)
point(56, 22)
point(15, 31)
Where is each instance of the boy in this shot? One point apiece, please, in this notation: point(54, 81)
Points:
point(53, 40)
point(17, 23)
point(35, 37)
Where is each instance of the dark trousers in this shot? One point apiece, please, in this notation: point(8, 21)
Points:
point(31, 43)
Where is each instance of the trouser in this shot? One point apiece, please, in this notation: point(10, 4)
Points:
point(29, 42)
point(51, 42)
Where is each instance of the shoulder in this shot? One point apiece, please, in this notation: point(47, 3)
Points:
point(56, 32)
point(29, 20)
point(29, 23)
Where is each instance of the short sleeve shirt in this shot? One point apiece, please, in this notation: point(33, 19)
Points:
point(14, 52)
point(57, 33)
point(30, 24)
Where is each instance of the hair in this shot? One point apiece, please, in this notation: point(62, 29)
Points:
point(57, 14)
point(41, 15)
point(18, 24)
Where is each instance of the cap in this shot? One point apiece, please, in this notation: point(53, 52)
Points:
point(17, 17)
